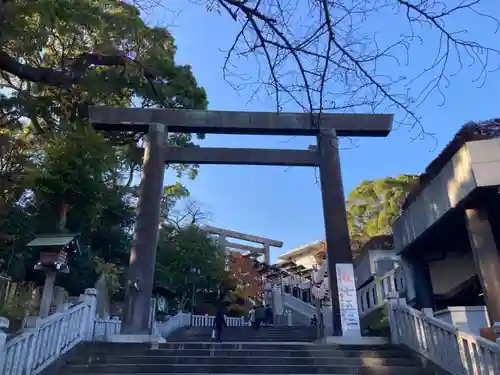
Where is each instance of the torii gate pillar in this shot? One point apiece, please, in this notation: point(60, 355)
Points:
point(338, 244)
point(140, 276)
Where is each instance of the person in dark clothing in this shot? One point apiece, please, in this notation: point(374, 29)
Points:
point(219, 324)
point(314, 321)
point(260, 316)
point(269, 315)
point(252, 318)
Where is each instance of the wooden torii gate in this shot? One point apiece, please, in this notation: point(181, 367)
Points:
point(158, 122)
point(224, 234)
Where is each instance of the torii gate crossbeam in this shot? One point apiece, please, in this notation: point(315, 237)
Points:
point(264, 250)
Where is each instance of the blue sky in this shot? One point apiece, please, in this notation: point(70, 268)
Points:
point(285, 204)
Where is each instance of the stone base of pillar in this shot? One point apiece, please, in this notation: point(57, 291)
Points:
point(346, 340)
point(327, 319)
point(121, 338)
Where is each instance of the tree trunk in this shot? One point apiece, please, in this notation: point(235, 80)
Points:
point(63, 216)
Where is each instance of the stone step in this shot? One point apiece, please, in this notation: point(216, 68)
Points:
point(248, 339)
point(239, 369)
point(246, 334)
point(261, 331)
point(251, 329)
point(287, 353)
point(253, 334)
point(123, 348)
point(219, 360)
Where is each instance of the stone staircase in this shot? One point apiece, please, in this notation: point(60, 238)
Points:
point(246, 334)
point(240, 358)
point(69, 342)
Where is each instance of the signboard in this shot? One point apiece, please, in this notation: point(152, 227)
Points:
point(348, 300)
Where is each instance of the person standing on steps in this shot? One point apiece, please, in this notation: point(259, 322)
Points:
point(314, 321)
point(219, 324)
point(251, 317)
point(269, 315)
point(260, 315)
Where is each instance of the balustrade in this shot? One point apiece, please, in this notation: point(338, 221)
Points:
point(34, 349)
point(455, 351)
point(373, 295)
point(370, 297)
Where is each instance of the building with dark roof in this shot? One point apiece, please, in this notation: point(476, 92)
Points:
point(449, 228)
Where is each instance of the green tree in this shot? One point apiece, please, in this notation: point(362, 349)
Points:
point(373, 206)
point(73, 47)
point(181, 249)
point(56, 58)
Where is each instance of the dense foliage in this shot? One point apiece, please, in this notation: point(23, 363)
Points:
point(56, 173)
point(189, 259)
point(373, 206)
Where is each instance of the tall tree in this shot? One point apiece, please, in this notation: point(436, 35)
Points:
point(181, 251)
point(56, 58)
point(74, 46)
point(373, 206)
point(241, 280)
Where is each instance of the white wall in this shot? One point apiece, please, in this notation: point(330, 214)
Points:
point(485, 161)
point(476, 164)
point(306, 260)
point(366, 266)
point(451, 272)
point(466, 318)
point(444, 192)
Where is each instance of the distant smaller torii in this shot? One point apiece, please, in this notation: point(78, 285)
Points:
point(224, 233)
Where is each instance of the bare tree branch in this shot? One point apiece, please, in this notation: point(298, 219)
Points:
point(326, 55)
point(192, 213)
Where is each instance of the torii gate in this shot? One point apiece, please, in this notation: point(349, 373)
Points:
point(158, 122)
point(265, 242)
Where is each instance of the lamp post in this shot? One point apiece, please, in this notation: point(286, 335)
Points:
point(195, 272)
point(54, 251)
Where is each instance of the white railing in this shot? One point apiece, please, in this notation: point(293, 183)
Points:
point(103, 328)
point(208, 320)
point(370, 297)
point(373, 295)
point(34, 349)
point(298, 305)
point(164, 329)
point(455, 351)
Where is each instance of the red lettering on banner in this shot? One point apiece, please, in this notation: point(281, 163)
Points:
point(346, 278)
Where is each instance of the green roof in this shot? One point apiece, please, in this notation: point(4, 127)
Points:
point(47, 240)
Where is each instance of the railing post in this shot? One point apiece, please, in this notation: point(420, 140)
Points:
point(289, 317)
point(428, 312)
point(114, 328)
point(242, 321)
point(392, 302)
point(4, 325)
point(61, 332)
point(89, 314)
